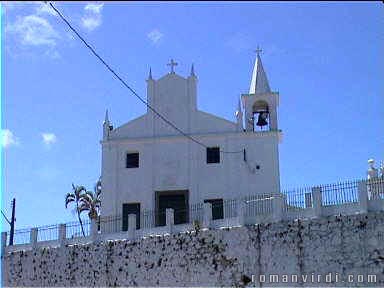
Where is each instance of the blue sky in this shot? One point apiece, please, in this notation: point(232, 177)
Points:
point(322, 57)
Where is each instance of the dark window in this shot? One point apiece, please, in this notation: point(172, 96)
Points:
point(132, 160)
point(213, 155)
point(131, 208)
point(217, 208)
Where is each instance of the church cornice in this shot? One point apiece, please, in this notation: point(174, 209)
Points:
point(198, 136)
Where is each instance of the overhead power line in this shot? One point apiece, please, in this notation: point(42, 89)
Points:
point(89, 46)
point(9, 222)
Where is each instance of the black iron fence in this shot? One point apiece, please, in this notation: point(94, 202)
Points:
point(298, 199)
point(21, 236)
point(48, 233)
point(340, 193)
point(254, 205)
point(375, 188)
point(75, 229)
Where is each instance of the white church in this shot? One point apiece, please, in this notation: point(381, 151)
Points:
point(149, 165)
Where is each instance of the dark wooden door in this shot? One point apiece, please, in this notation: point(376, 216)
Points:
point(178, 201)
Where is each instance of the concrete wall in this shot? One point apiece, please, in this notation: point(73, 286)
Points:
point(347, 245)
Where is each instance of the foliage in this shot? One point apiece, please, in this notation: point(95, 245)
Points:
point(85, 201)
point(91, 202)
point(75, 196)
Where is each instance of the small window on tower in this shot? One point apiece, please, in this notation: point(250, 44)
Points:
point(213, 155)
point(133, 160)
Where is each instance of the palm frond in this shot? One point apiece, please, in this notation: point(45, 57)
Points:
point(97, 187)
point(89, 194)
point(83, 208)
point(79, 191)
point(98, 194)
point(86, 200)
point(70, 197)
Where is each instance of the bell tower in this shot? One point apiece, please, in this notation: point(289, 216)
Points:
point(260, 104)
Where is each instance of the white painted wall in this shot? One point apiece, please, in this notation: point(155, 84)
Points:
point(170, 161)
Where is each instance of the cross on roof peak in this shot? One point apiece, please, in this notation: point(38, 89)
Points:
point(172, 64)
point(258, 50)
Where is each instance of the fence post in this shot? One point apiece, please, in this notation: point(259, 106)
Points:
point(363, 196)
point(4, 279)
point(169, 219)
point(241, 212)
point(94, 231)
point(317, 200)
point(62, 234)
point(3, 242)
point(308, 200)
point(277, 208)
point(33, 239)
point(131, 226)
point(207, 215)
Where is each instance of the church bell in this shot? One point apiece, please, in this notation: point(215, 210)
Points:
point(262, 119)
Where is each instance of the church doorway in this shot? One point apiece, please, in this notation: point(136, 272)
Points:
point(177, 200)
point(131, 208)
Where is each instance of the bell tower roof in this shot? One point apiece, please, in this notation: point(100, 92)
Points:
point(106, 119)
point(259, 82)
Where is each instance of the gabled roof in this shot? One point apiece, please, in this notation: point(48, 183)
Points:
point(171, 76)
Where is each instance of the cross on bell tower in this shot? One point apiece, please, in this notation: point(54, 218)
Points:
point(172, 64)
point(260, 104)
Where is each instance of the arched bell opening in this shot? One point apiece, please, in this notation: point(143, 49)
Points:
point(260, 116)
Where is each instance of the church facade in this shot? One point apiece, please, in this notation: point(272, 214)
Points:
point(149, 165)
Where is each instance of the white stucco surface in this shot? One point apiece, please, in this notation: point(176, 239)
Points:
point(170, 161)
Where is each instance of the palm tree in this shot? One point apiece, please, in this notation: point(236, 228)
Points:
point(91, 202)
point(78, 193)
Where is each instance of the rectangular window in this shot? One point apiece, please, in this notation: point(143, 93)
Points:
point(131, 208)
point(213, 155)
point(217, 208)
point(133, 160)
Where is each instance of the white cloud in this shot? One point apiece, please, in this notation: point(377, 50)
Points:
point(155, 36)
point(93, 7)
point(39, 6)
point(93, 17)
point(44, 8)
point(8, 139)
point(91, 22)
point(49, 138)
point(33, 30)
